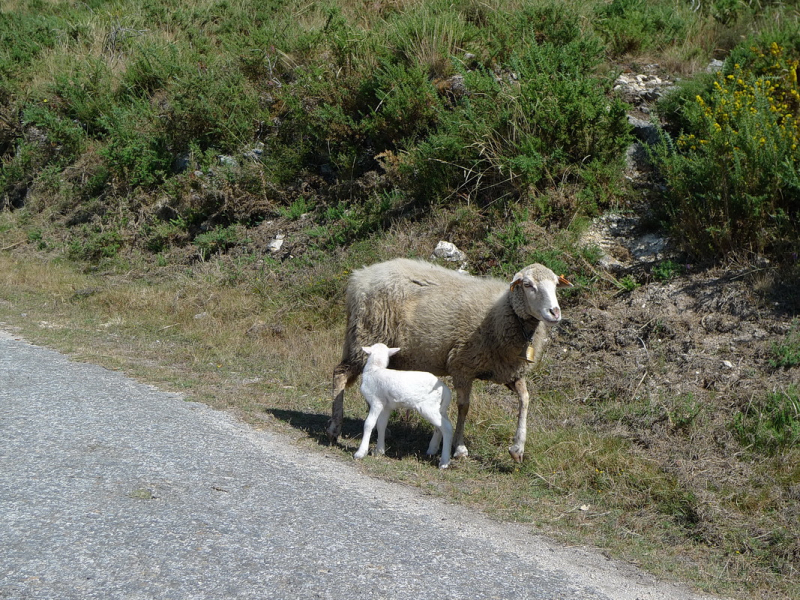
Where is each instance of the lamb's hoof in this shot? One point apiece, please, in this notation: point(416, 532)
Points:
point(516, 453)
point(444, 466)
point(461, 452)
point(359, 455)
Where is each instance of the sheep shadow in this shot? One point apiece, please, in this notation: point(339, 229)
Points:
point(404, 436)
point(314, 424)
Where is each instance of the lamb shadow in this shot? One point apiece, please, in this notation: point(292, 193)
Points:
point(405, 438)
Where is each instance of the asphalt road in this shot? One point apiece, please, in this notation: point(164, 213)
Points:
point(113, 489)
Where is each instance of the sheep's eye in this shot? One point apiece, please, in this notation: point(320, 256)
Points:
point(527, 284)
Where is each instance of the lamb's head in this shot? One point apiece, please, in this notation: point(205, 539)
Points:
point(533, 293)
point(379, 355)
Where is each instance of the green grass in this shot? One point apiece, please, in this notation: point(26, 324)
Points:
point(786, 354)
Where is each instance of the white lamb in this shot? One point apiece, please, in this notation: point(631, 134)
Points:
point(386, 389)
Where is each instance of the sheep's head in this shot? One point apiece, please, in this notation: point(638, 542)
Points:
point(379, 354)
point(533, 293)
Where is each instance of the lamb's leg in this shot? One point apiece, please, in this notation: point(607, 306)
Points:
point(463, 390)
point(436, 439)
point(443, 431)
point(369, 425)
point(383, 420)
point(447, 440)
point(518, 448)
point(433, 414)
point(342, 376)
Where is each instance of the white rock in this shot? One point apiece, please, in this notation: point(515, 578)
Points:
point(275, 245)
point(449, 252)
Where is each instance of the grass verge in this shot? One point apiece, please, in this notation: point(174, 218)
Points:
point(264, 345)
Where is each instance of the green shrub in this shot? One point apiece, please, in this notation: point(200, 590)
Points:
point(544, 120)
point(217, 240)
point(638, 25)
point(18, 171)
point(627, 284)
point(160, 236)
point(84, 93)
point(64, 136)
point(23, 37)
point(214, 106)
point(666, 270)
point(150, 69)
point(507, 241)
point(94, 244)
point(296, 210)
point(407, 105)
point(135, 154)
point(732, 172)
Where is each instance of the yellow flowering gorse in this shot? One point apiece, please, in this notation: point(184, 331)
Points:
point(763, 105)
point(733, 175)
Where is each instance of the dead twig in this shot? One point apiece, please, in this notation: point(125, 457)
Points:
point(549, 483)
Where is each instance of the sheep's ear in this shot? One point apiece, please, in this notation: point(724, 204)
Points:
point(562, 282)
point(517, 280)
point(393, 351)
point(367, 349)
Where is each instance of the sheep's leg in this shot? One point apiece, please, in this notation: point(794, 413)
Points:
point(383, 420)
point(518, 448)
point(342, 376)
point(369, 425)
point(462, 399)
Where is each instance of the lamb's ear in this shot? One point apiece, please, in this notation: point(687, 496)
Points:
point(393, 351)
point(562, 282)
point(517, 280)
point(367, 349)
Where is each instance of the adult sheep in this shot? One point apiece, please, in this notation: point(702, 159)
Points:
point(449, 323)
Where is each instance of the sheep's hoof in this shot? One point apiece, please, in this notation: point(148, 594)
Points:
point(359, 455)
point(461, 452)
point(516, 453)
point(444, 466)
point(333, 432)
